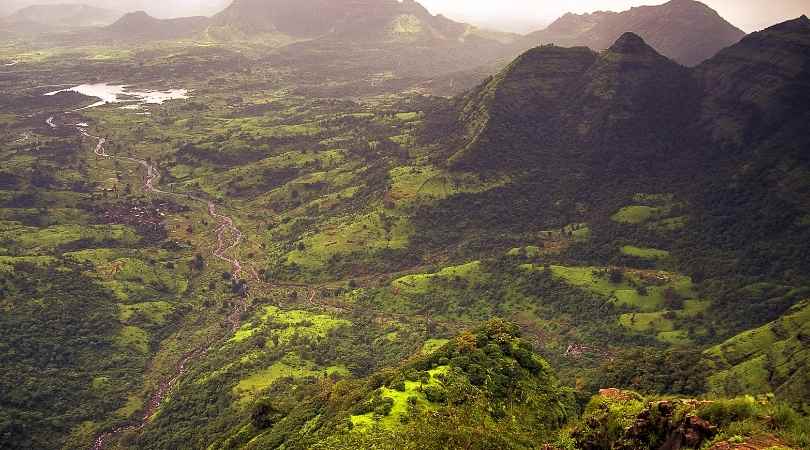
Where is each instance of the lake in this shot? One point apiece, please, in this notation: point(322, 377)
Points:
point(121, 93)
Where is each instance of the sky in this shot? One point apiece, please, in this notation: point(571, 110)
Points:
point(529, 15)
point(507, 15)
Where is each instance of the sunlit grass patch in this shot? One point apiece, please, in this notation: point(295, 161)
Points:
point(133, 338)
point(151, 313)
point(299, 322)
point(656, 321)
point(431, 345)
point(644, 253)
point(422, 283)
point(7, 263)
point(627, 292)
point(413, 392)
point(636, 214)
point(290, 366)
point(39, 240)
point(134, 404)
point(413, 183)
point(370, 232)
point(121, 269)
point(407, 116)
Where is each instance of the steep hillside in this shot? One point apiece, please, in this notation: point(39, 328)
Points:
point(685, 30)
point(772, 358)
point(668, 160)
point(553, 100)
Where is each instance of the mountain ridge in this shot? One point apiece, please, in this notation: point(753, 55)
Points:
point(685, 30)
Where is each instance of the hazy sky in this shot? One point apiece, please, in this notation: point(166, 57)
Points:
point(526, 15)
point(511, 15)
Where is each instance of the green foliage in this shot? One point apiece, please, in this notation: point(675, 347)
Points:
point(59, 335)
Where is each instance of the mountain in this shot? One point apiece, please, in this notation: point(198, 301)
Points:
point(158, 8)
point(350, 41)
point(65, 16)
point(256, 267)
point(356, 20)
point(637, 145)
point(685, 30)
point(554, 99)
point(141, 26)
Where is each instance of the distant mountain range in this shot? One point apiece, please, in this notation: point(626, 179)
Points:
point(44, 18)
point(633, 99)
point(158, 8)
point(687, 31)
point(355, 20)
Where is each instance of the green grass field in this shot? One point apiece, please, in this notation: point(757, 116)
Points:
point(422, 283)
point(644, 253)
point(413, 389)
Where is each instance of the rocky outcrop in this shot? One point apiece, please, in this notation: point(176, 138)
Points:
point(622, 420)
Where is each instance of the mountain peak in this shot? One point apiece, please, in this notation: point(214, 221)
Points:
point(632, 45)
point(798, 24)
point(629, 43)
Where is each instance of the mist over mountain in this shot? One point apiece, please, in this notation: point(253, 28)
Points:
point(157, 8)
point(66, 15)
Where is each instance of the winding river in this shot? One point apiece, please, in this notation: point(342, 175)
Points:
point(228, 238)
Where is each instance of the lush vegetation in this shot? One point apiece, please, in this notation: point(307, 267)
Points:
point(606, 206)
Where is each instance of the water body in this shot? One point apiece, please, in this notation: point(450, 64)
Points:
point(120, 93)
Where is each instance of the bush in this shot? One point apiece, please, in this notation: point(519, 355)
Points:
point(435, 394)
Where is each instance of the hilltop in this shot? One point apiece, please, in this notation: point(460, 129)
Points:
point(686, 31)
point(139, 25)
point(551, 101)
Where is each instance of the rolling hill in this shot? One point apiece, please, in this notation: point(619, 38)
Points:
point(684, 30)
